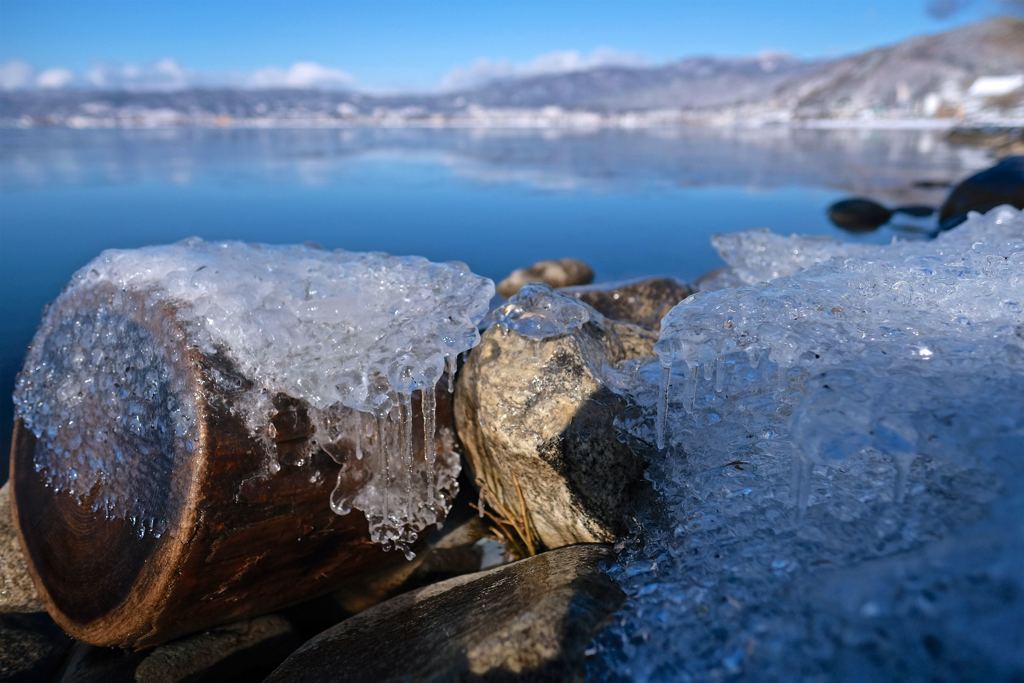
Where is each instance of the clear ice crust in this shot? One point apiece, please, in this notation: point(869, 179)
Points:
point(353, 335)
point(839, 490)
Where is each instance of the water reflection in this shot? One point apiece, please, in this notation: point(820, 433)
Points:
point(893, 165)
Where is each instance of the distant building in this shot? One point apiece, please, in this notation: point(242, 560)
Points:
point(995, 86)
point(995, 99)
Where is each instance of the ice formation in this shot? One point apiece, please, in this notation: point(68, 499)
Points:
point(758, 256)
point(840, 491)
point(538, 312)
point(353, 335)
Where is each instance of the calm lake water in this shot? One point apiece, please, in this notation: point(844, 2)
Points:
point(629, 203)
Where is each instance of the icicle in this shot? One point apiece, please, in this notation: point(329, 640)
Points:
point(407, 450)
point(359, 439)
point(719, 375)
point(451, 361)
point(386, 488)
point(902, 462)
point(663, 392)
point(690, 389)
point(428, 406)
point(802, 469)
point(340, 503)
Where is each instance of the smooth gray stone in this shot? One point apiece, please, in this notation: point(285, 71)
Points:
point(530, 620)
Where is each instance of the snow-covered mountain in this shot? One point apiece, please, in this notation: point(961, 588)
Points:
point(974, 74)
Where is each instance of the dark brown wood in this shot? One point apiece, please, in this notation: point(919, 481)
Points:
point(240, 542)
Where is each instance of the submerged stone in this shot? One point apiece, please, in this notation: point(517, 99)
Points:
point(858, 214)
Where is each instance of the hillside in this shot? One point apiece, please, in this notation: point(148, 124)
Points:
point(928, 77)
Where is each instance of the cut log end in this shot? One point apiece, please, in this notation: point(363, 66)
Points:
point(173, 535)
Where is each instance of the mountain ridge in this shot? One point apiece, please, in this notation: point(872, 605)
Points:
point(922, 77)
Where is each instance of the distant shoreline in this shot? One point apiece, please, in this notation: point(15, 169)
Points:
point(574, 121)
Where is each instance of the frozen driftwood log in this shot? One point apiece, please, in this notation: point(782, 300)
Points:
point(207, 432)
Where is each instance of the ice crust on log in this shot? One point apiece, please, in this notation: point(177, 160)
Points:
point(841, 486)
point(353, 335)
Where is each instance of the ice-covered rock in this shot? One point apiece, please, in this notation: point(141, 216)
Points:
point(351, 335)
point(535, 408)
point(841, 486)
point(758, 256)
point(644, 301)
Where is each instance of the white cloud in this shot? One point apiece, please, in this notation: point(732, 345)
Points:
point(168, 74)
point(560, 61)
point(15, 74)
point(53, 79)
point(299, 75)
point(165, 74)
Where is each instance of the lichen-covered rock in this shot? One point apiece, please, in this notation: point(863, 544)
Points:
point(644, 301)
point(31, 647)
point(17, 593)
point(530, 620)
point(535, 407)
point(563, 272)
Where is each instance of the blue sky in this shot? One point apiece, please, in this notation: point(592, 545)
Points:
point(387, 45)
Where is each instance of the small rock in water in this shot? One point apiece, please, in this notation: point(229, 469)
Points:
point(865, 215)
point(535, 407)
point(530, 620)
point(858, 214)
point(563, 272)
point(17, 592)
point(644, 301)
point(983, 191)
